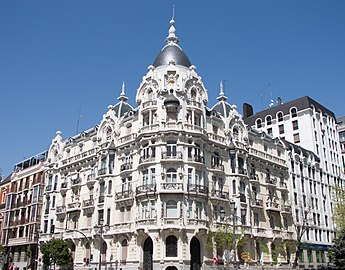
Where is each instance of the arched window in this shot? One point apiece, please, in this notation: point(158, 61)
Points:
point(192, 94)
point(171, 176)
point(171, 209)
point(280, 116)
point(233, 186)
point(293, 112)
point(124, 250)
point(235, 133)
point(171, 246)
point(258, 123)
point(269, 120)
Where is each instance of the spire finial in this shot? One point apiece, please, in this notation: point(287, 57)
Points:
point(221, 92)
point(172, 31)
point(173, 14)
point(122, 96)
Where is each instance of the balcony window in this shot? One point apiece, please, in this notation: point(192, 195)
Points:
point(198, 210)
point(171, 176)
point(295, 125)
point(171, 149)
point(171, 246)
point(171, 209)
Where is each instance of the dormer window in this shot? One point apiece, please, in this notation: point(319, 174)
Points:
point(269, 120)
point(280, 116)
point(258, 123)
point(293, 112)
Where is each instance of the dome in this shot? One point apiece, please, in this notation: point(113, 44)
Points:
point(222, 107)
point(172, 51)
point(122, 106)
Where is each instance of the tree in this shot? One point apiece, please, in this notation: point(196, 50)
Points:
point(303, 221)
point(56, 252)
point(339, 207)
point(338, 252)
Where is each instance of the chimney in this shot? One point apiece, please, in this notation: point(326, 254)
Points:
point(280, 102)
point(247, 110)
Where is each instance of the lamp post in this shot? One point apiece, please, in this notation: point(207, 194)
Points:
point(234, 218)
point(101, 230)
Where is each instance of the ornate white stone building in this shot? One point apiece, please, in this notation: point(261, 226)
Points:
point(158, 178)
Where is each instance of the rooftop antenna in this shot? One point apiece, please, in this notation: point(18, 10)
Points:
point(78, 118)
point(272, 101)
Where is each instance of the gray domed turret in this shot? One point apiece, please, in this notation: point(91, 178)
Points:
point(222, 107)
point(122, 106)
point(172, 51)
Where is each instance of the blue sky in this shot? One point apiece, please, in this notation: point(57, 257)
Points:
point(58, 55)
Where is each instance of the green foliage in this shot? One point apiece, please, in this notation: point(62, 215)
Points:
point(339, 208)
point(338, 251)
point(221, 240)
point(56, 252)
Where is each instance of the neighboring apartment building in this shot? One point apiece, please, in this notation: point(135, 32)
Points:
point(22, 214)
point(145, 187)
point(341, 131)
point(312, 127)
point(4, 190)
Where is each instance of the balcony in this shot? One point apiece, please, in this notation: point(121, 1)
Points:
point(271, 181)
point(272, 206)
point(193, 103)
point(61, 211)
point(287, 235)
point(259, 232)
point(242, 171)
point(192, 188)
point(199, 159)
point(91, 180)
point(282, 185)
point(101, 199)
point(149, 103)
point(89, 206)
point(75, 183)
point(171, 156)
point(286, 208)
point(258, 203)
point(216, 138)
point(243, 198)
point(18, 241)
point(126, 166)
point(124, 197)
point(145, 159)
point(219, 194)
point(172, 186)
point(145, 189)
point(218, 167)
point(171, 222)
point(48, 188)
point(75, 206)
point(143, 224)
point(253, 178)
point(122, 227)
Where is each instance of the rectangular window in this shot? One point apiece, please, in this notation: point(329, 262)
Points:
point(100, 216)
point(256, 219)
point(281, 129)
point(296, 138)
point(295, 125)
point(270, 132)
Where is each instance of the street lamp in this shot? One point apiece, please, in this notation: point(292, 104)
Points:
point(234, 218)
point(101, 230)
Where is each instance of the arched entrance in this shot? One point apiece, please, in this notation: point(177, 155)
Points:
point(171, 268)
point(195, 256)
point(148, 252)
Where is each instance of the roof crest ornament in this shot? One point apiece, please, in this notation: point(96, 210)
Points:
point(171, 38)
point(122, 96)
point(221, 96)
